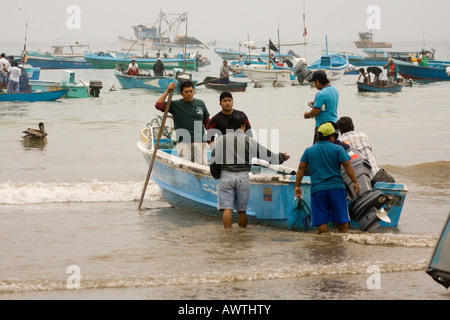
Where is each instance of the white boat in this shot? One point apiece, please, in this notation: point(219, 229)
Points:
point(258, 74)
point(158, 36)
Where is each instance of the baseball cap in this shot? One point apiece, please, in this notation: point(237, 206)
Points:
point(326, 129)
point(318, 75)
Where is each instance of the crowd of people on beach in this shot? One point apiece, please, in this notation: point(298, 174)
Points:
point(13, 76)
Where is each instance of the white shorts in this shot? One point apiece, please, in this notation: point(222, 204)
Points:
point(195, 151)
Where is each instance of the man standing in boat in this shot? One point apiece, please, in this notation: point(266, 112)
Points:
point(4, 66)
point(328, 193)
point(392, 71)
point(221, 122)
point(325, 104)
point(224, 76)
point(231, 163)
point(190, 117)
point(158, 68)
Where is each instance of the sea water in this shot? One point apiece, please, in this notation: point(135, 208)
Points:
point(71, 229)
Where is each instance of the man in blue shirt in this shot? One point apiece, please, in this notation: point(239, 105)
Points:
point(328, 193)
point(324, 107)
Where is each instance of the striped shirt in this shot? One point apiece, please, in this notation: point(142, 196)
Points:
point(360, 141)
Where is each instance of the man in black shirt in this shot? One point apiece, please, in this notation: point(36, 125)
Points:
point(158, 68)
point(223, 119)
point(376, 71)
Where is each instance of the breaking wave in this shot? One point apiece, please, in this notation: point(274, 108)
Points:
point(90, 191)
point(117, 281)
point(389, 239)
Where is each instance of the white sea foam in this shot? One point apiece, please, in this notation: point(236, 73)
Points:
point(124, 281)
point(405, 240)
point(89, 191)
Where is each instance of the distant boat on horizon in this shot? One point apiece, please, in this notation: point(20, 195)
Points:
point(366, 41)
point(151, 38)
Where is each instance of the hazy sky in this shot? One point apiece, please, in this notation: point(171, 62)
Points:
point(230, 20)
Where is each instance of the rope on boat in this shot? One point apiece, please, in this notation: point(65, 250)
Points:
point(301, 206)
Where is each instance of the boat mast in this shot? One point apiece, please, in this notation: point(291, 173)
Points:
point(185, 43)
point(279, 46)
point(160, 21)
point(304, 27)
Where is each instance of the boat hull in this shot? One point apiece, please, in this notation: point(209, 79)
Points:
point(362, 87)
point(187, 185)
point(370, 44)
point(433, 72)
point(439, 267)
point(74, 90)
point(367, 62)
point(265, 75)
point(58, 63)
point(159, 84)
point(33, 96)
point(127, 44)
point(109, 62)
point(230, 87)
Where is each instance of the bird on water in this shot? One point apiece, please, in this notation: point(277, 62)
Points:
point(35, 134)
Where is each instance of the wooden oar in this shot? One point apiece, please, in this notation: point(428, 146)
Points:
point(155, 150)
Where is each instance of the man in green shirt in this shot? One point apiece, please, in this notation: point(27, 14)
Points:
point(190, 117)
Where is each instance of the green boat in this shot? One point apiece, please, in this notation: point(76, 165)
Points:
point(75, 90)
point(101, 60)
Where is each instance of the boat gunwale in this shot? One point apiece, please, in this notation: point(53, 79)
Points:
point(195, 168)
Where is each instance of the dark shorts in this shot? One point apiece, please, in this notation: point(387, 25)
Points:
point(329, 205)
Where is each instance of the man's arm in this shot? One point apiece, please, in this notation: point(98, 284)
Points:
point(312, 114)
point(298, 179)
point(160, 104)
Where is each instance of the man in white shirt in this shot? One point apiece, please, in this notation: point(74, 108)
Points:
point(14, 78)
point(133, 69)
point(360, 141)
point(4, 66)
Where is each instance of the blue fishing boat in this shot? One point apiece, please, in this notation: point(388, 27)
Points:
point(374, 57)
point(435, 71)
point(188, 185)
point(66, 56)
point(154, 83)
point(379, 87)
point(76, 89)
point(334, 64)
point(439, 267)
point(109, 60)
point(33, 96)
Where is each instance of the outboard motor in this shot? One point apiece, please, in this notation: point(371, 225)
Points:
point(301, 69)
point(365, 208)
point(94, 87)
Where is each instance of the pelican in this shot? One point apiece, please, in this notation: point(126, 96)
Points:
point(34, 134)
